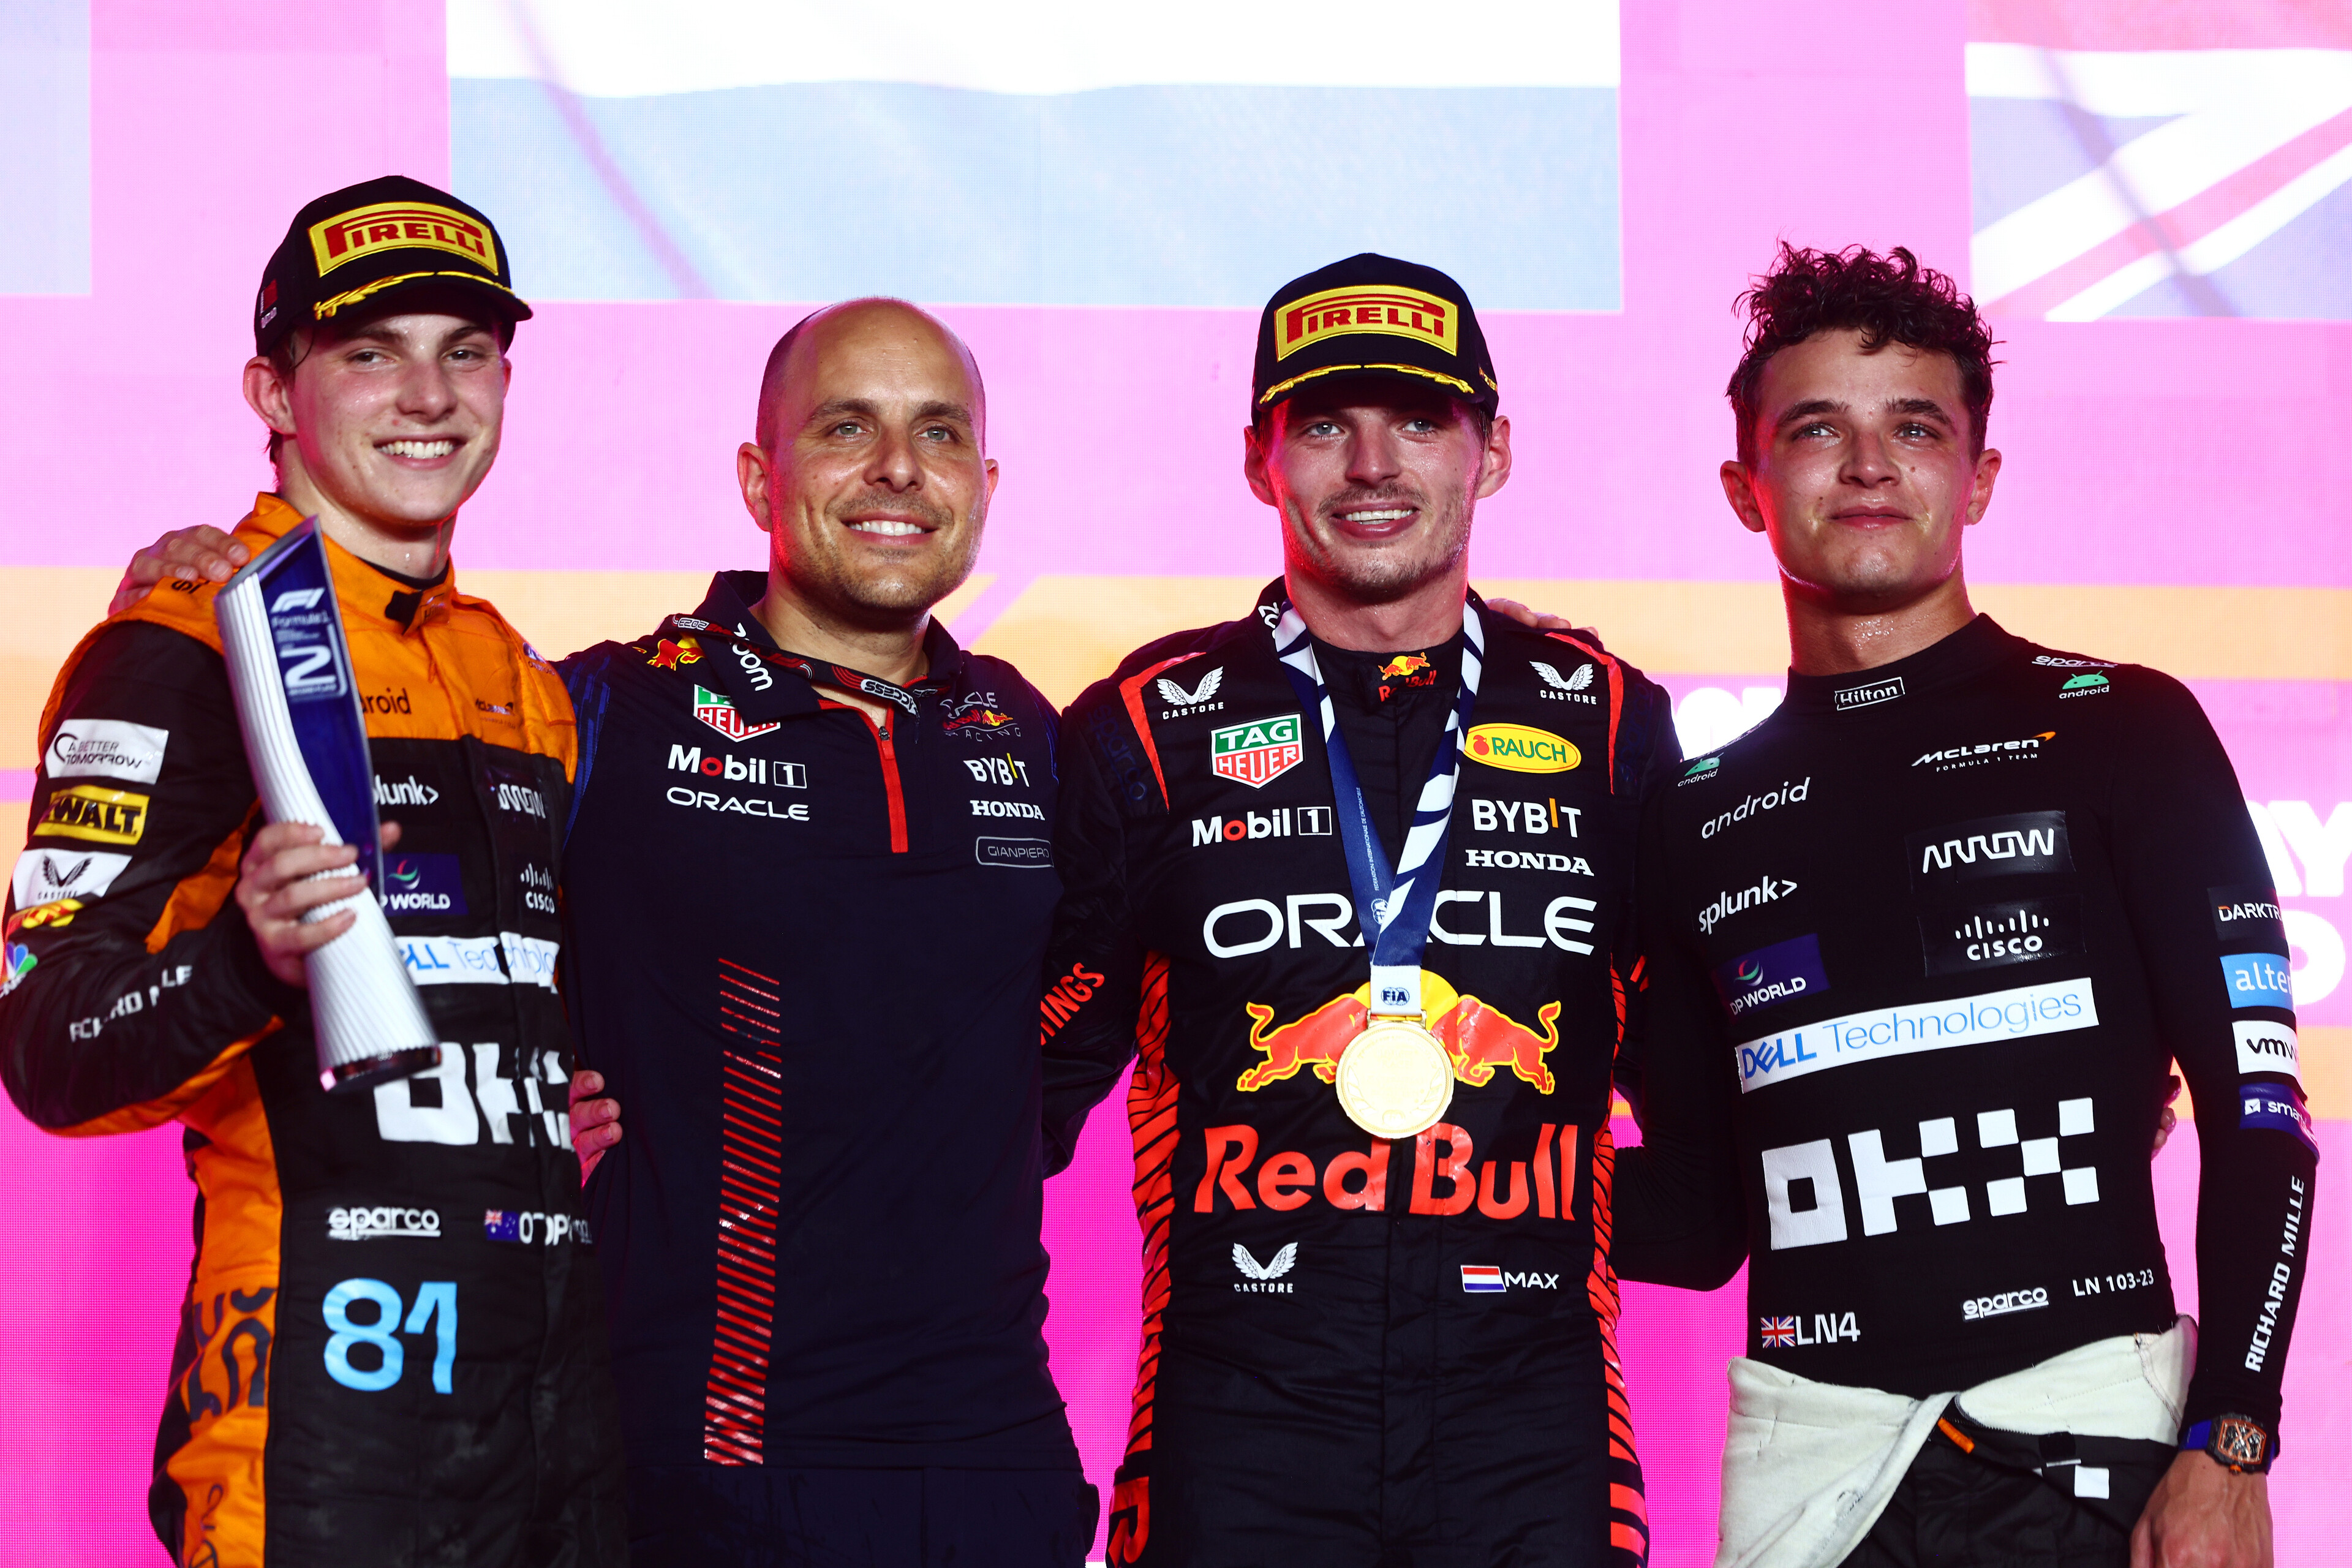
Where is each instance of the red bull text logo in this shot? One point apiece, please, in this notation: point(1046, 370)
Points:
point(1477, 1039)
point(400, 225)
point(1398, 312)
point(1352, 1180)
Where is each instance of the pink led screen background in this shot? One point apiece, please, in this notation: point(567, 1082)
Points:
point(2153, 197)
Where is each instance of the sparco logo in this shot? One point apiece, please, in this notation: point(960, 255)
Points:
point(2025, 844)
point(1282, 822)
point(410, 791)
point(367, 1224)
point(1755, 804)
point(1984, 752)
point(1868, 696)
point(2006, 1303)
point(1766, 890)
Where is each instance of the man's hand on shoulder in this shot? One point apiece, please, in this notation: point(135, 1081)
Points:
point(198, 555)
point(1538, 619)
point(2202, 1515)
point(287, 873)
point(595, 1124)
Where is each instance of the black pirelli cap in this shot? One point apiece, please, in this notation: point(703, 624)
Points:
point(359, 244)
point(1372, 315)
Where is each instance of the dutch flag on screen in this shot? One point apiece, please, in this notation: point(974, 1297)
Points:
point(1060, 152)
point(1479, 1277)
point(2160, 160)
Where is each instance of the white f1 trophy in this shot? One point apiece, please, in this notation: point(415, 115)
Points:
point(306, 740)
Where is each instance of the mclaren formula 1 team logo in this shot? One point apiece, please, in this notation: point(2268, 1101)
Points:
point(1256, 754)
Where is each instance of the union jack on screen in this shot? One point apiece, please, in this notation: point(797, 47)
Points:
point(1774, 1332)
point(2160, 157)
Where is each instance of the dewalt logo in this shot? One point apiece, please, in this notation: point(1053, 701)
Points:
point(1398, 312)
point(101, 815)
point(399, 225)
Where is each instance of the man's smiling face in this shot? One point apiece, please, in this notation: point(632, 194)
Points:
point(1376, 480)
point(1865, 471)
point(870, 476)
point(397, 419)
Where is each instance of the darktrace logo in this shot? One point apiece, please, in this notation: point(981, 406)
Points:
point(2248, 914)
point(1866, 696)
point(1781, 972)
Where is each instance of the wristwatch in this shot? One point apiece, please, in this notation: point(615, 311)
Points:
point(2237, 1443)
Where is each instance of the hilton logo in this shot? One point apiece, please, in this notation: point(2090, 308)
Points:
point(1869, 696)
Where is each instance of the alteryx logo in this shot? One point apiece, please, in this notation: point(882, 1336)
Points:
point(1781, 972)
point(424, 885)
point(2257, 979)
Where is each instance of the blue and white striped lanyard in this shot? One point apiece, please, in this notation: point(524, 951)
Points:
point(1395, 906)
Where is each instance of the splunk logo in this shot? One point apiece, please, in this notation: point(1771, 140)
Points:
point(1757, 804)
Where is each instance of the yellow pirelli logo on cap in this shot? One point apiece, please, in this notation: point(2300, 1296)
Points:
point(1400, 312)
point(401, 225)
point(101, 815)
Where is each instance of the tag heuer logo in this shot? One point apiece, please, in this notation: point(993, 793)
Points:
point(1256, 755)
point(719, 713)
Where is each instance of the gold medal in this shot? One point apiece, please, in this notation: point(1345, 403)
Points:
point(1394, 1079)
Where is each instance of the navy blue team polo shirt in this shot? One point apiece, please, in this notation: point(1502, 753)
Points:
point(804, 951)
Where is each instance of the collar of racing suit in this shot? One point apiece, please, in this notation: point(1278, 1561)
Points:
point(751, 666)
point(1963, 654)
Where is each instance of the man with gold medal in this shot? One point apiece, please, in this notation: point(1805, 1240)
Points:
point(1349, 878)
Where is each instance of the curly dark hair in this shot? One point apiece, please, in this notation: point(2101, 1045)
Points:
point(1889, 299)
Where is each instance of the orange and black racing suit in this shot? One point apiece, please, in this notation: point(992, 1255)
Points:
point(1360, 1350)
point(391, 1350)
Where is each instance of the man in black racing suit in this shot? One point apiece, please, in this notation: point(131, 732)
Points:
point(1359, 1349)
point(1923, 944)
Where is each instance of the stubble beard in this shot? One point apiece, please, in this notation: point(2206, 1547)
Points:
point(1384, 573)
point(888, 597)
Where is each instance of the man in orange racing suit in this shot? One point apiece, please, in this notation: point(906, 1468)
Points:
point(1375, 1331)
point(391, 1350)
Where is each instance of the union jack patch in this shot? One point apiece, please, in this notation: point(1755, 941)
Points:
point(1777, 1331)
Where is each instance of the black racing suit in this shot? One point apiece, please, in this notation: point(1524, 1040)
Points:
point(1354, 1346)
point(809, 949)
point(1926, 941)
point(392, 1348)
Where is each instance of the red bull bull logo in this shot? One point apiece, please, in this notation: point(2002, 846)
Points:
point(1402, 665)
point(1478, 1038)
point(670, 655)
point(1447, 1177)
